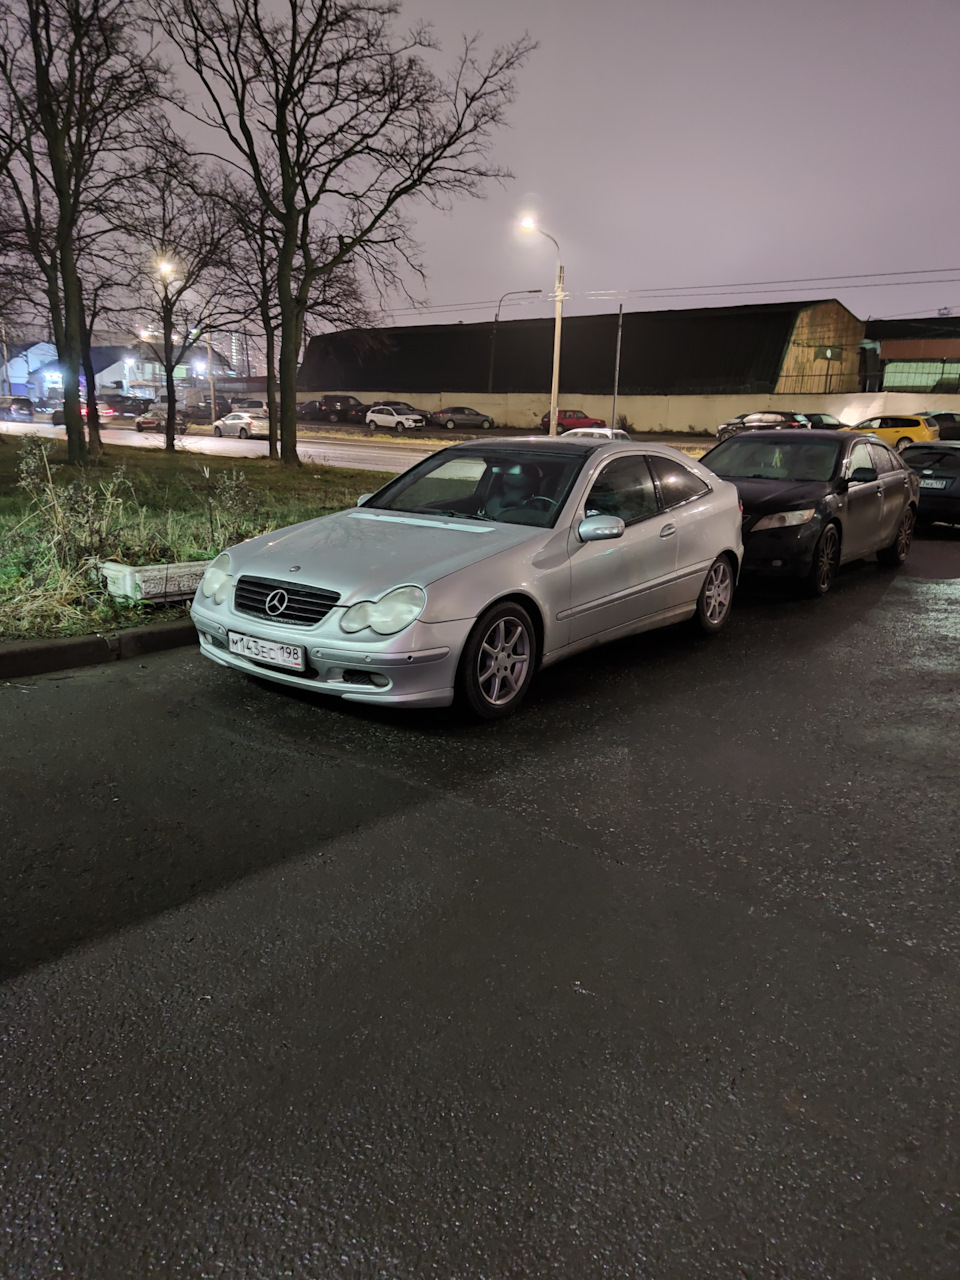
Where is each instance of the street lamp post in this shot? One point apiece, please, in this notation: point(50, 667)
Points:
point(493, 338)
point(531, 225)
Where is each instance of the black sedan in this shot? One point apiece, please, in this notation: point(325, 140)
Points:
point(461, 416)
point(768, 419)
point(816, 499)
point(938, 470)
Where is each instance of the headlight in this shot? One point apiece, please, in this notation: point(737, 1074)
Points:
point(784, 518)
point(216, 582)
point(388, 615)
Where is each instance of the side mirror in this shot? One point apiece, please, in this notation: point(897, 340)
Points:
point(863, 475)
point(364, 497)
point(600, 528)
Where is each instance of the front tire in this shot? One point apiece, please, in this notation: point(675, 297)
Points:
point(333, 417)
point(892, 557)
point(486, 424)
point(498, 661)
point(242, 433)
point(826, 560)
point(716, 597)
point(902, 443)
point(449, 424)
point(217, 431)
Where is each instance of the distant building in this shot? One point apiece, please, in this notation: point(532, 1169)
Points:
point(780, 347)
point(920, 354)
point(18, 376)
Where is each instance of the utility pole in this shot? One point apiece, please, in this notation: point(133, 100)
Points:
point(213, 385)
point(616, 370)
point(6, 367)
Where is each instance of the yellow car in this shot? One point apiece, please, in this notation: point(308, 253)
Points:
point(904, 429)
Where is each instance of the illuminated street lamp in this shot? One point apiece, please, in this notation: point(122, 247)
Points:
point(529, 224)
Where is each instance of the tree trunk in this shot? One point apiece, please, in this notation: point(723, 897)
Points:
point(95, 445)
point(70, 356)
point(271, 344)
point(289, 351)
point(170, 436)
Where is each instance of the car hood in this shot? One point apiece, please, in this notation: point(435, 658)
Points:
point(362, 553)
point(761, 497)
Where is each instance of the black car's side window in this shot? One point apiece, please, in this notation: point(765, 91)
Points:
point(677, 482)
point(859, 458)
point(623, 488)
point(885, 460)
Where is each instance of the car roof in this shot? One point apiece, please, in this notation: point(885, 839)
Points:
point(932, 444)
point(801, 434)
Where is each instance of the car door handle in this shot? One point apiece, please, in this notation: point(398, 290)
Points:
point(668, 531)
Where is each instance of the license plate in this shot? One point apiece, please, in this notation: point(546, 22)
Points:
point(932, 484)
point(271, 651)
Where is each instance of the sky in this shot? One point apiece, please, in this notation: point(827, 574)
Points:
point(717, 143)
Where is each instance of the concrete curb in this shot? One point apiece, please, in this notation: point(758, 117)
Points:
point(37, 657)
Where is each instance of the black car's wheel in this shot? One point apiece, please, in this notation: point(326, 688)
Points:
point(498, 661)
point(449, 424)
point(716, 596)
point(894, 555)
point(486, 424)
point(333, 417)
point(826, 560)
point(242, 433)
point(139, 426)
point(217, 431)
point(902, 443)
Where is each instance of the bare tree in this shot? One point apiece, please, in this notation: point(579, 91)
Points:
point(337, 121)
point(75, 84)
point(336, 300)
point(180, 236)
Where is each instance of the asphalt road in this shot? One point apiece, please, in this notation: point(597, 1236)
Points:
point(658, 979)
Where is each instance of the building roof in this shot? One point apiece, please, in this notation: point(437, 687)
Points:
point(707, 350)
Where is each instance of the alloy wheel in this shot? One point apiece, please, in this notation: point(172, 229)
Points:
point(717, 593)
point(826, 564)
point(503, 660)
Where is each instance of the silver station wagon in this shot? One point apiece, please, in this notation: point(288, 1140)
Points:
point(485, 561)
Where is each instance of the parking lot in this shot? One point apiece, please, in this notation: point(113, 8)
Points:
point(658, 978)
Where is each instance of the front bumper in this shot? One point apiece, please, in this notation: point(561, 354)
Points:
point(417, 667)
point(781, 553)
point(938, 506)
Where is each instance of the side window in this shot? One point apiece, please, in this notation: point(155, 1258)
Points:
point(677, 483)
point(860, 457)
point(871, 424)
point(623, 488)
point(885, 460)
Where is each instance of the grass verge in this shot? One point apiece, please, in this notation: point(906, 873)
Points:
point(139, 506)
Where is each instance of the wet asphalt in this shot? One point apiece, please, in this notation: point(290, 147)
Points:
point(658, 979)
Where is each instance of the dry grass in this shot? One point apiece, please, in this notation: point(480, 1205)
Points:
point(140, 507)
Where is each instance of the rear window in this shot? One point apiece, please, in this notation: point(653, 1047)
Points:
point(931, 459)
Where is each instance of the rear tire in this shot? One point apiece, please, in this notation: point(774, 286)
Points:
point(242, 433)
point(449, 424)
point(486, 424)
point(333, 417)
point(716, 597)
point(498, 661)
point(902, 443)
point(826, 560)
point(892, 557)
point(217, 431)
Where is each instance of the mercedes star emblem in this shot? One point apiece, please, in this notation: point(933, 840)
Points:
point(276, 602)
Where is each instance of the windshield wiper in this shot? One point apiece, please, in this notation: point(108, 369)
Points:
point(458, 515)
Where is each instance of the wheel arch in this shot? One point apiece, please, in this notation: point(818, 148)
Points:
point(532, 607)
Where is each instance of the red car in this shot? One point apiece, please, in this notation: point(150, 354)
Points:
point(567, 419)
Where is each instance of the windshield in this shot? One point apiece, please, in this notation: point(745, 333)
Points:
point(926, 457)
point(503, 486)
point(744, 458)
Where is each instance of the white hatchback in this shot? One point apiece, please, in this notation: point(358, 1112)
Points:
point(397, 414)
point(243, 425)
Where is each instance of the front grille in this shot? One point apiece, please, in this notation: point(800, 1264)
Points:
point(304, 606)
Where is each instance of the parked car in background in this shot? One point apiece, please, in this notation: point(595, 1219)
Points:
point(900, 429)
point(332, 409)
point(155, 419)
point(461, 416)
point(823, 420)
point(16, 409)
point(948, 423)
point(436, 587)
point(396, 414)
point(815, 499)
point(124, 406)
point(202, 413)
point(938, 472)
point(763, 420)
point(247, 404)
point(567, 419)
point(244, 425)
point(597, 433)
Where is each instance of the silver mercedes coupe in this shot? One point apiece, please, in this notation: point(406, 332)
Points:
point(485, 561)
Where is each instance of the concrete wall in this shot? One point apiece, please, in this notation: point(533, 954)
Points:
point(681, 414)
